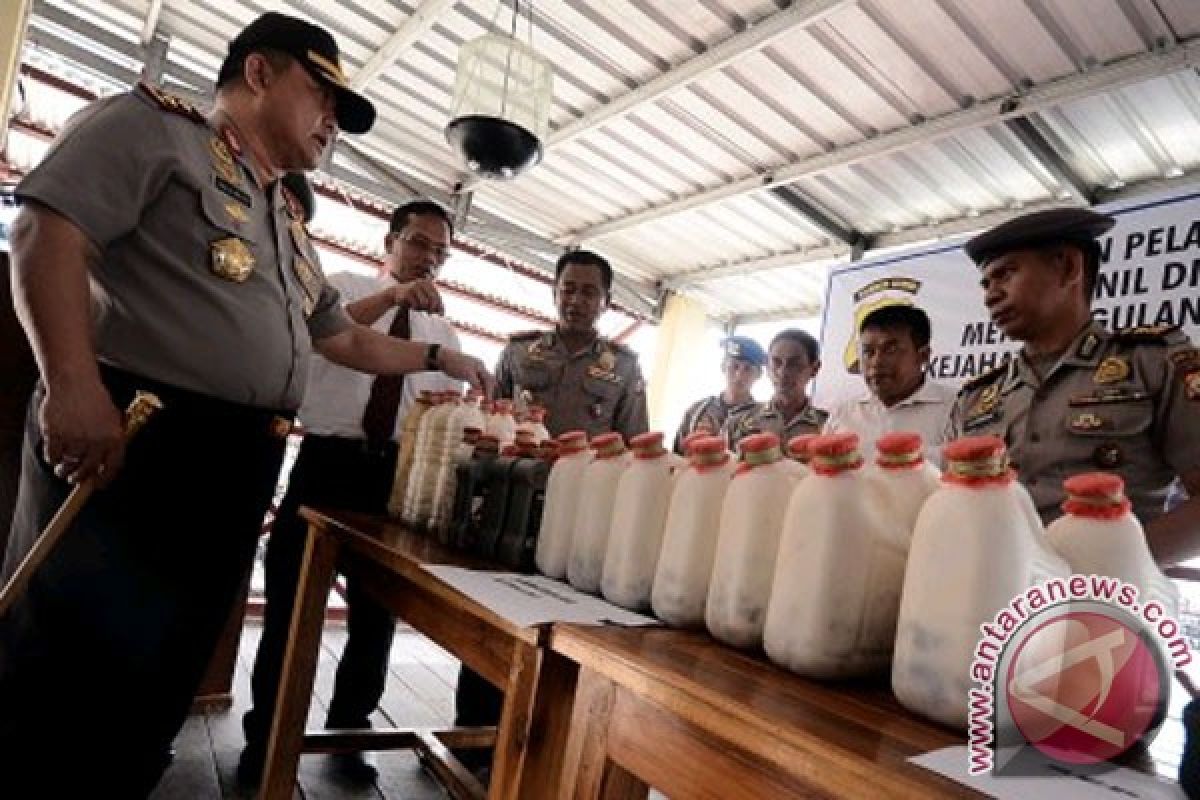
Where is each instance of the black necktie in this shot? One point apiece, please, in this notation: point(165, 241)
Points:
point(379, 417)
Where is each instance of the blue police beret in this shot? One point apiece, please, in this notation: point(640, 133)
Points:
point(1056, 226)
point(744, 348)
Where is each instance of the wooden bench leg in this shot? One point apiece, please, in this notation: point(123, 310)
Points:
point(550, 728)
point(588, 773)
point(512, 735)
point(299, 667)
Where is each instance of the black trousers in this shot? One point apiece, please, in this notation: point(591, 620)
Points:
point(329, 472)
point(101, 657)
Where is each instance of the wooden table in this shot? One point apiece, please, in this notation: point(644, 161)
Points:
point(387, 562)
point(695, 719)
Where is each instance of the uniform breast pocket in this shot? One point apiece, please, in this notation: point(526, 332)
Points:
point(603, 395)
point(1108, 435)
point(1129, 418)
point(232, 254)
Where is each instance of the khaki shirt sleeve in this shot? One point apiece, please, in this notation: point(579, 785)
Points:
point(631, 417)
point(504, 373)
point(1177, 414)
point(329, 316)
point(115, 157)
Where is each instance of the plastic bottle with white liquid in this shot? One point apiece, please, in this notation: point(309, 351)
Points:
point(751, 521)
point(1099, 535)
point(689, 545)
point(593, 516)
point(840, 569)
point(978, 543)
point(906, 476)
point(563, 488)
point(639, 514)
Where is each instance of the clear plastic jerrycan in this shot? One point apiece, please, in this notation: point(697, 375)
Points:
point(593, 517)
point(978, 543)
point(1099, 535)
point(639, 515)
point(404, 458)
point(751, 520)
point(689, 544)
point(840, 569)
point(906, 476)
point(562, 499)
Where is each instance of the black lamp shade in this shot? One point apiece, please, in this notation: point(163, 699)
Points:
point(493, 147)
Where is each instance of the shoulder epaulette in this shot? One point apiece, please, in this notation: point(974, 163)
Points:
point(1149, 334)
point(524, 336)
point(983, 379)
point(173, 103)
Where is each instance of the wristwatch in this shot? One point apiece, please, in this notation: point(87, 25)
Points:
point(431, 357)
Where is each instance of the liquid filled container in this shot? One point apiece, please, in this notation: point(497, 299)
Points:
point(562, 499)
point(751, 521)
point(639, 514)
point(978, 543)
point(589, 543)
point(689, 545)
point(840, 569)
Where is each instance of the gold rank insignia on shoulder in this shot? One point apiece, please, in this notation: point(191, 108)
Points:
point(171, 102)
point(1113, 369)
point(987, 400)
point(231, 259)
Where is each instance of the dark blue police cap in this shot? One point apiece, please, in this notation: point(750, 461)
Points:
point(744, 348)
point(1056, 226)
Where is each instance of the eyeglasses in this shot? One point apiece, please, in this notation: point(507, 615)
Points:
point(438, 251)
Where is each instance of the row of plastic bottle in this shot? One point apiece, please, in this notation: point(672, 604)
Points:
point(439, 433)
point(836, 569)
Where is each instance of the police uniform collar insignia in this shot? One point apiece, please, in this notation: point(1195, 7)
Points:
point(294, 208)
point(231, 259)
point(1087, 346)
point(987, 402)
point(236, 213)
point(229, 135)
point(1112, 369)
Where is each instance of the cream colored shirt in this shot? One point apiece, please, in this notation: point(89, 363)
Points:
point(926, 411)
point(337, 397)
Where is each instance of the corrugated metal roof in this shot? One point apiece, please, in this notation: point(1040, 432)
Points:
point(675, 121)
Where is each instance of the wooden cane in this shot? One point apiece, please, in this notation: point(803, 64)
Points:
point(144, 404)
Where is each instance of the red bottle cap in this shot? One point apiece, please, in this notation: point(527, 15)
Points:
point(976, 461)
point(1097, 495)
point(834, 453)
point(899, 449)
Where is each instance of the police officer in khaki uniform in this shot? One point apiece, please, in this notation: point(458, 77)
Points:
point(793, 359)
point(156, 250)
point(742, 365)
point(585, 382)
point(1077, 398)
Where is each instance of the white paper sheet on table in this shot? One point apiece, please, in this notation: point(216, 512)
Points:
point(1121, 782)
point(533, 599)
